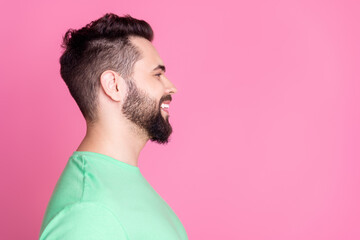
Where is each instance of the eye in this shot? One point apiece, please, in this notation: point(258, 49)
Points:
point(158, 75)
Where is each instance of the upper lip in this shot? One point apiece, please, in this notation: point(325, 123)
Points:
point(166, 102)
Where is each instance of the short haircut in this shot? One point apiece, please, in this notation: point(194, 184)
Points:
point(101, 45)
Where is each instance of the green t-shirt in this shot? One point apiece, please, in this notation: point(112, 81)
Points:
point(99, 197)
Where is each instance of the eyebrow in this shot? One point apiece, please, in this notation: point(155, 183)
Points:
point(162, 67)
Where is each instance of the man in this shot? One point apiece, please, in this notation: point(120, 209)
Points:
point(118, 80)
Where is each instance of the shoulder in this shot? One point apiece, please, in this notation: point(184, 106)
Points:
point(84, 220)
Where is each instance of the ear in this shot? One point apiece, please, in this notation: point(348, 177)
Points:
point(110, 82)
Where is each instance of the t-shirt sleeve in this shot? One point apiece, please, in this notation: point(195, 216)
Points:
point(84, 221)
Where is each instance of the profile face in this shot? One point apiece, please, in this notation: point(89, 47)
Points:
point(146, 92)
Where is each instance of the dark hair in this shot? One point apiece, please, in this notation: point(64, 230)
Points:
point(101, 45)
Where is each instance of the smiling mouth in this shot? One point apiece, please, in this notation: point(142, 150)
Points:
point(165, 106)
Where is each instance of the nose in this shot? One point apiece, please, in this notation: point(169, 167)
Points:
point(170, 88)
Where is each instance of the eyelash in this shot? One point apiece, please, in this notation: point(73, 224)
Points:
point(158, 75)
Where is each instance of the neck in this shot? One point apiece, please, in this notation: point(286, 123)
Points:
point(122, 141)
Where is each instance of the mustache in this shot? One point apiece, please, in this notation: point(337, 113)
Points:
point(165, 98)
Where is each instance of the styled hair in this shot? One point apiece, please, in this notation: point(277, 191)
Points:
point(101, 45)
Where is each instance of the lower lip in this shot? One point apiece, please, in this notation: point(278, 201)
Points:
point(165, 110)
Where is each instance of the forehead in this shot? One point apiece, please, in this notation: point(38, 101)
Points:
point(150, 57)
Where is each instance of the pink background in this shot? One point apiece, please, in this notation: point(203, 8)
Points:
point(266, 117)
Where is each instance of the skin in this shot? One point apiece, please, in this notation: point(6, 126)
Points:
point(116, 134)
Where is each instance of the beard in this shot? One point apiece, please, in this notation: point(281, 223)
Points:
point(145, 113)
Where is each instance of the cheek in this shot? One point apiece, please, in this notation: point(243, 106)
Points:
point(153, 87)
point(156, 90)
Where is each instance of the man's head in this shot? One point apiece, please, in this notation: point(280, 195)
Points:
point(114, 55)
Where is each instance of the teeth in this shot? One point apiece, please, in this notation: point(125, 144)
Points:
point(163, 105)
